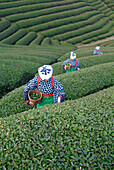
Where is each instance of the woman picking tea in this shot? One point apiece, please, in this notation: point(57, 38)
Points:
point(97, 51)
point(72, 62)
point(48, 85)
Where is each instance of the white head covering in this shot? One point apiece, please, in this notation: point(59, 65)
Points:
point(73, 55)
point(45, 72)
point(97, 48)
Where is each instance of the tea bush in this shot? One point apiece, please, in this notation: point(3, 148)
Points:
point(102, 36)
point(87, 51)
point(27, 39)
point(91, 34)
point(76, 85)
point(45, 11)
point(32, 7)
point(9, 31)
point(73, 26)
point(42, 19)
point(18, 64)
point(55, 42)
point(15, 73)
point(63, 21)
point(50, 18)
point(72, 135)
point(15, 37)
point(4, 24)
point(38, 40)
point(17, 3)
point(77, 34)
point(85, 62)
point(46, 41)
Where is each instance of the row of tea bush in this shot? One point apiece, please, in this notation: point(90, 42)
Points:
point(76, 85)
point(73, 135)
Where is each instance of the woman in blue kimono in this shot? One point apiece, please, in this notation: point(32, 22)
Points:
point(97, 51)
point(48, 85)
point(74, 63)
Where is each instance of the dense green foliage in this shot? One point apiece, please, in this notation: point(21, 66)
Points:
point(76, 134)
point(85, 62)
point(82, 83)
point(15, 37)
point(26, 40)
point(18, 64)
point(73, 21)
point(4, 24)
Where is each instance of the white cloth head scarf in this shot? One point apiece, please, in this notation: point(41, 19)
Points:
point(97, 48)
point(73, 55)
point(45, 72)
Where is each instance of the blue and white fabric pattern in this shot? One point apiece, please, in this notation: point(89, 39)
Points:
point(73, 63)
point(45, 88)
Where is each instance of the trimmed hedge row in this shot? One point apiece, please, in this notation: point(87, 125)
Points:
point(9, 31)
point(87, 81)
point(86, 52)
point(103, 8)
point(46, 41)
point(27, 39)
point(79, 33)
point(85, 62)
point(8, 0)
point(19, 3)
point(15, 73)
point(47, 11)
point(82, 83)
point(4, 24)
point(38, 40)
point(107, 1)
point(64, 21)
point(15, 37)
point(109, 34)
point(107, 43)
point(47, 18)
point(71, 27)
point(103, 30)
point(19, 63)
point(55, 42)
point(34, 50)
point(27, 8)
point(106, 11)
point(111, 17)
point(72, 135)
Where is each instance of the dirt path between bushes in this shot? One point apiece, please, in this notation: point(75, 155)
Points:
point(93, 43)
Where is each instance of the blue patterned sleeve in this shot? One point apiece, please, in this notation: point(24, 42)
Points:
point(58, 90)
point(31, 85)
point(78, 63)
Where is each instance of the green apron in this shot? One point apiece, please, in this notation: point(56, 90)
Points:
point(45, 100)
point(71, 69)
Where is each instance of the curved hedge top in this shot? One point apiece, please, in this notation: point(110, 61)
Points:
point(75, 134)
point(57, 18)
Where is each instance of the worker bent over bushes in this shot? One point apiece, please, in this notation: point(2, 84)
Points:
point(48, 85)
point(97, 51)
point(72, 62)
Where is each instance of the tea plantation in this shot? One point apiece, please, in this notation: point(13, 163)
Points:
point(78, 133)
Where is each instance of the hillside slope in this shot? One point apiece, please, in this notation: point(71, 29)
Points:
point(45, 22)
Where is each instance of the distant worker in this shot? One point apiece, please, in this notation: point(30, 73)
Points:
point(49, 86)
point(72, 62)
point(97, 51)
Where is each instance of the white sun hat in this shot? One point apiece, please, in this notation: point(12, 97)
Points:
point(97, 48)
point(73, 55)
point(45, 72)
